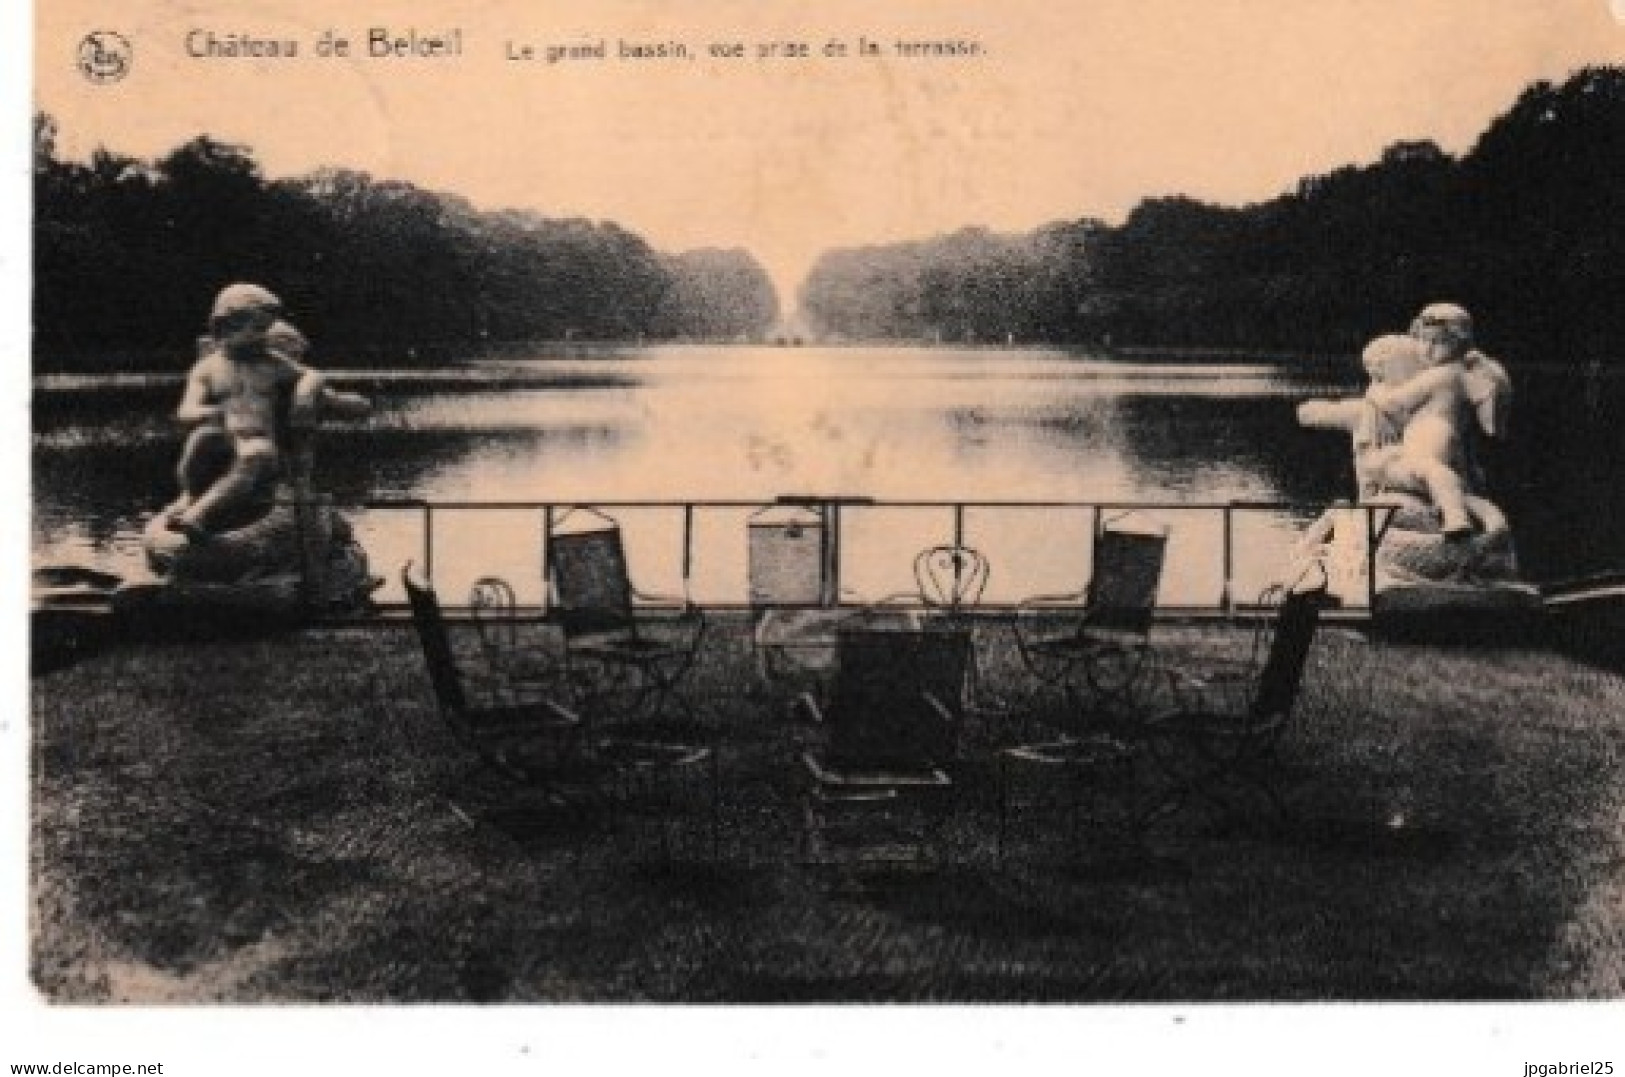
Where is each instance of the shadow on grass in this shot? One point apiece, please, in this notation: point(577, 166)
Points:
point(1365, 839)
point(961, 900)
point(1444, 839)
point(1115, 978)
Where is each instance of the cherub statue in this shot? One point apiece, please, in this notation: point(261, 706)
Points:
point(247, 516)
point(1415, 429)
point(1416, 434)
point(237, 393)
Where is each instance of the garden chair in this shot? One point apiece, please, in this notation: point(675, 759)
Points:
point(649, 786)
point(617, 640)
point(951, 577)
point(515, 666)
point(880, 788)
point(792, 612)
point(1078, 794)
point(1219, 740)
point(533, 743)
point(1094, 645)
point(951, 580)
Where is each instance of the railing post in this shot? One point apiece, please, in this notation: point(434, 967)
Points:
point(688, 545)
point(829, 508)
point(547, 556)
point(826, 554)
point(1372, 539)
point(428, 540)
point(832, 580)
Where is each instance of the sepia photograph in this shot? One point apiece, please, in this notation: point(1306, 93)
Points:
point(890, 510)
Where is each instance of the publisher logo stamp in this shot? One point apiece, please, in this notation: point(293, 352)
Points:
point(105, 56)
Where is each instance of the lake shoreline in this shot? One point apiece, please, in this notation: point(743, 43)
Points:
point(144, 361)
point(540, 370)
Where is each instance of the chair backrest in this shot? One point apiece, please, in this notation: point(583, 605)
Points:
point(786, 548)
point(1127, 573)
point(495, 610)
point(951, 577)
point(1292, 633)
point(437, 652)
point(591, 590)
point(879, 714)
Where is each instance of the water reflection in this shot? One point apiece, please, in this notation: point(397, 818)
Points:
point(751, 424)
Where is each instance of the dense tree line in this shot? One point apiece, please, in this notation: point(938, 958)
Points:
point(1527, 229)
point(972, 285)
point(128, 254)
point(716, 295)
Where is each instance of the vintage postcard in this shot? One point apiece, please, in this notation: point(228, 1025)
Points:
point(758, 504)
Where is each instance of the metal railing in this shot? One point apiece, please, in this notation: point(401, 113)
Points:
point(836, 512)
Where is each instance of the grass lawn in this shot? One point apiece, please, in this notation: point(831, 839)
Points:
point(286, 820)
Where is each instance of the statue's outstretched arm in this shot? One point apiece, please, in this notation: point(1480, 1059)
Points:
point(348, 405)
point(314, 397)
point(1342, 415)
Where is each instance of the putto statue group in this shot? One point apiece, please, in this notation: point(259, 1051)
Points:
point(248, 520)
point(247, 525)
point(1419, 435)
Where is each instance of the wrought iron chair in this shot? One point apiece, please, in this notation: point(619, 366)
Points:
point(536, 743)
point(650, 786)
point(880, 789)
point(1090, 784)
point(951, 580)
point(1219, 741)
point(792, 612)
point(516, 667)
point(617, 640)
point(1094, 645)
point(951, 577)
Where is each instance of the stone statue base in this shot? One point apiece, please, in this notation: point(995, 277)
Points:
point(1423, 583)
point(1415, 552)
point(300, 556)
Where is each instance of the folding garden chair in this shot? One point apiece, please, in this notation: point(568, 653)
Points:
point(1219, 741)
point(649, 786)
point(951, 577)
point(880, 788)
point(1076, 795)
point(517, 666)
point(792, 612)
point(1094, 645)
point(617, 640)
point(537, 742)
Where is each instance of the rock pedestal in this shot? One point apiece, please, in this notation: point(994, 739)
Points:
point(299, 557)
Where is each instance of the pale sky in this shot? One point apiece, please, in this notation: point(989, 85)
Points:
point(1074, 110)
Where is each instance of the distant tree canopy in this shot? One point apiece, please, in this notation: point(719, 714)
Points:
point(971, 285)
point(129, 254)
point(1527, 230)
point(716, 295)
